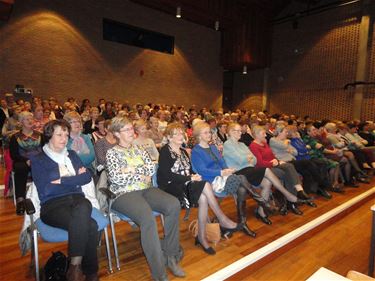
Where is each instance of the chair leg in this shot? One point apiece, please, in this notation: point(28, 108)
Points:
point(13, 189)
point(36, 254)
point(187, 214)
point(109, 256)
point(114, 241)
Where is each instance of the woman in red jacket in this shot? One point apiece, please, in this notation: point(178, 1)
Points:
point(285, 171)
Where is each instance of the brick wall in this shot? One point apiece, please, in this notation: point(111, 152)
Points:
point(311, 65)
point(56, 48)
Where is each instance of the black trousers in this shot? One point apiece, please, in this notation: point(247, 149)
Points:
point(73, 213)
point(312, 177)
point(21, 171)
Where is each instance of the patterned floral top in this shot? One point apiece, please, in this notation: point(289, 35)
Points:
point(182, 164)
point(118, 159)
point(23, 147)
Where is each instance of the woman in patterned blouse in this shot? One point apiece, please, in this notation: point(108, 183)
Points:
point(23, 145)
point(129, 170)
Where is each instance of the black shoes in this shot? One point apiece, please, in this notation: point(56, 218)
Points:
point(228, 232)
point(264, 219)
point(245, 229)
point(324, 193)
point(208, 250)
point(337, 188)
point(362, 179)
point(303, 196)
point(284, 209)
point(351, 183)
point(293, 207)
point(20, 207)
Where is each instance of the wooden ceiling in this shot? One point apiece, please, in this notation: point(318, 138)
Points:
point(245, 26)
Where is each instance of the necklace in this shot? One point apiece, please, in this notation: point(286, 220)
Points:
point(125, 147)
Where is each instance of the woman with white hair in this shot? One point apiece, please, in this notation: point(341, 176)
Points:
point(23, 145)
point(337, 142)
point(313, 181)
point(238, 156)
point(285, 171)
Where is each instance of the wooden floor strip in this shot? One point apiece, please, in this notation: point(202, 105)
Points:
point(250, 259)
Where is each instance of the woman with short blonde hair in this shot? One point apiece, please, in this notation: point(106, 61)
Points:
point(79, 142)
point(238, 156)
point(130, 169)
point(176, 177)
point(285, 171)
point(143, 140)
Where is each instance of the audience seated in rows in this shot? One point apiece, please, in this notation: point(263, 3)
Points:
point(220, 147)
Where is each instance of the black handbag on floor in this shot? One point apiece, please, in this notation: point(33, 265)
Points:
point(56, 267)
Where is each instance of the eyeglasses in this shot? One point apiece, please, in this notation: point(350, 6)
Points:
point(127, 130)
point(75, 122)
point(237, 131)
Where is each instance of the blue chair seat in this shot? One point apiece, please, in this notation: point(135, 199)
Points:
point(126, 218)
point(54, 234)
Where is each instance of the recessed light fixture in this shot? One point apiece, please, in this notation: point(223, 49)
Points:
point(217, 25)
point(244, 69)
point(178, 12)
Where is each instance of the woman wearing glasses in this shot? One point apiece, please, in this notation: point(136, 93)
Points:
point(129, 170)
point(176, 177)
point(238, 156)
point(79, 142)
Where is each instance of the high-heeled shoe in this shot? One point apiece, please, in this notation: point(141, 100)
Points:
point(208, 250)
point(302, 195)
point(293, 207)
point(264, 219)
point(258, 198)
point(308, 200)
point(284, 209)
point(228, 232)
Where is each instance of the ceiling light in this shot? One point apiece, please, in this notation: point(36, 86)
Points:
point(244, 69)
point(217, 25)
point(178, 12)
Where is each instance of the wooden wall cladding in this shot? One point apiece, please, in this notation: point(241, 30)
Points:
point(311, 65)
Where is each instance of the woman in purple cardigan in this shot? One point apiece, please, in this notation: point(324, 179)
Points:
point(58, 175)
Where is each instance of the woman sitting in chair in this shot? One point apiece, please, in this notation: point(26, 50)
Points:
point(23, 145)
point(58, 174)
point(285, 171)
point(80, 143)
point(313, 180)
point(208, 162)
point(238, 156)
point(175, 176)
point(129, 169)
